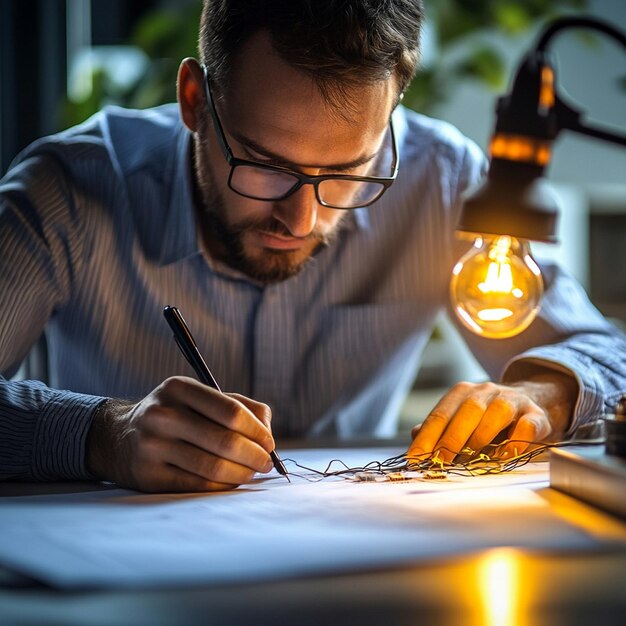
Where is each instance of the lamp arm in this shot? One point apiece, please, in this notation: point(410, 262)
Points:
point(598, 133)
point(570, 119)
point(567, 117)
point(578, 22)
point(528, 120)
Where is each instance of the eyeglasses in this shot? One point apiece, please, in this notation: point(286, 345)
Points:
point(272, 182)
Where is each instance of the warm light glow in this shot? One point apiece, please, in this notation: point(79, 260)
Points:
point(494, 315)
point(467, 320)
point(499, 587)
point(496, 287)
point(520, 148)
point(546, 93)
point(534, 268)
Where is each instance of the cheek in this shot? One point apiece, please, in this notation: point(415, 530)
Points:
point(234, 207)
point(329, 219)
point(240, 210)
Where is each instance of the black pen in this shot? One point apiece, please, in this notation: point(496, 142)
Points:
point(185, 341)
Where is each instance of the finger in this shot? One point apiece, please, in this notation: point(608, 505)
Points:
point(415, 430)
point(168, 478)
point(208, 466)
point(460, 427)
point(428, 434)
point(435, 423)
point(259, 409)
point(217, 407)
point(531, 427)
point(499, 414)
point(180, 423)
point(149, 471)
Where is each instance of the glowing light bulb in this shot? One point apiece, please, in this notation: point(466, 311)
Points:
point(496, 287)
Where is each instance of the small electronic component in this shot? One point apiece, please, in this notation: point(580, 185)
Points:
point(369, 477)
point(378, 477)
point(396, 476)
point(435, 475)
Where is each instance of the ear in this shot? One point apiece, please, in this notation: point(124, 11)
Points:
point(189, 91)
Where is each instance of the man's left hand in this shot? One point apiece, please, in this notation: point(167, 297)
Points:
point(472, 415)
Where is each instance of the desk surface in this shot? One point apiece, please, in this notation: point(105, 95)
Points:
point(557, 590)
point(501, 586)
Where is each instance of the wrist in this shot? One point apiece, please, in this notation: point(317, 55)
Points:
point(104, 440)
point(556, 393)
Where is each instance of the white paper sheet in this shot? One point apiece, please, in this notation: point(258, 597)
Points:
point(272, 529)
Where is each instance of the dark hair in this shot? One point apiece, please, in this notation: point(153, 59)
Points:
point(339, 43)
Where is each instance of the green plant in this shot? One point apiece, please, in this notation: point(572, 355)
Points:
point(466, 23)
point(165, 36)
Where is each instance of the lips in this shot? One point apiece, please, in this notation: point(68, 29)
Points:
point(279, 242)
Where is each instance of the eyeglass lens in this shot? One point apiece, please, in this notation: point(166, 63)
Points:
point(266, 184)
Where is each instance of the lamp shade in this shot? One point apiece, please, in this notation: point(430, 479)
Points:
point(515, 200)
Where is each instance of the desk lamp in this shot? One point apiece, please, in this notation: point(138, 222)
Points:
point(496, 287)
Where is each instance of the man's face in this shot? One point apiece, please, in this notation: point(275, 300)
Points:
point(275, 115)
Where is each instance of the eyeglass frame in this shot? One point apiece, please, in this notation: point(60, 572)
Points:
point(302, 179)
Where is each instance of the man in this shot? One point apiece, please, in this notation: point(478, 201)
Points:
point(238, 212)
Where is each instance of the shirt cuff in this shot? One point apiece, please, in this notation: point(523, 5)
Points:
point(61, 435)
point(590, 402)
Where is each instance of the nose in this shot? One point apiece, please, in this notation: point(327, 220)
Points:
point(298, 212)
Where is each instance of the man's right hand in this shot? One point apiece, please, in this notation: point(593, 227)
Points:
point(183, 436)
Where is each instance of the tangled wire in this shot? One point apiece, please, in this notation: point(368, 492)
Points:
point(430, 465)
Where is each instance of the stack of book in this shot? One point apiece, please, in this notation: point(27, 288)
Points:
point(588, 473)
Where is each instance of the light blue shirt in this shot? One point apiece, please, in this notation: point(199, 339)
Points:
point(98, 233)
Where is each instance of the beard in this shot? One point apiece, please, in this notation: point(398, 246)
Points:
point(264, 265)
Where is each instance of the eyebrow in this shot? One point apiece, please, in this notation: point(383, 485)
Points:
point(276, 159)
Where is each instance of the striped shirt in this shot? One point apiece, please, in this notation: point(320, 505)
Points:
point(98, 234)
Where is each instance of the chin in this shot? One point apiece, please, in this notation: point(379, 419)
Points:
point(273, 266)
